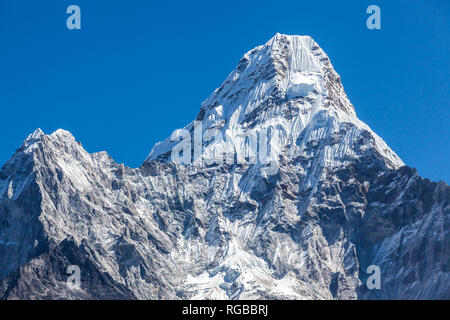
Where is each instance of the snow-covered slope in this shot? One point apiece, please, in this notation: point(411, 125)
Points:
point(289, 89)
point(338, 201)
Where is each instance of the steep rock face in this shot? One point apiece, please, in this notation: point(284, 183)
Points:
point(406, 231)
point(339, 201)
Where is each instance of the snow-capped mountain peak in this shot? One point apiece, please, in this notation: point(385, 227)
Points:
point(308, 200)
point(286, 91)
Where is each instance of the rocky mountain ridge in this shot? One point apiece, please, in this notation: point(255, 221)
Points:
point(338, 201)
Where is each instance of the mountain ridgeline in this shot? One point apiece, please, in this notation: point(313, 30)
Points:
point(338, 201)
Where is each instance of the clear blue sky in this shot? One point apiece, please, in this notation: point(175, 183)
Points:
point(140, 69)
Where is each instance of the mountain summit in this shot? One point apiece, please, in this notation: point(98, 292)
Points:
point(204, 218)
point(288, 87)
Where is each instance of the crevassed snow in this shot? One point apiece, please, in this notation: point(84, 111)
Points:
point(301, 85)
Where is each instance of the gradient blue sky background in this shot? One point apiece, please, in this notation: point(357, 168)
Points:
point(140, 69)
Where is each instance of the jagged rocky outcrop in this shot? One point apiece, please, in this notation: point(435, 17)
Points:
point(338, 201)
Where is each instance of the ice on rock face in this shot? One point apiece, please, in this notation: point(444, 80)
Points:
point(280, 87)
point(301, 85)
